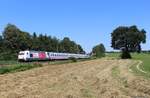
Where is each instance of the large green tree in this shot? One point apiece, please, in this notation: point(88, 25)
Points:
point(14, 40)
point(128, 39)
point(99, 50)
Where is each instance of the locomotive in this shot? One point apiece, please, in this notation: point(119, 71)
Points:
point(42, 55)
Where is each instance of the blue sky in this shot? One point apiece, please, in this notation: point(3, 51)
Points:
point(88, 22)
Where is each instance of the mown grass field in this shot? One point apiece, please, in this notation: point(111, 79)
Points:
point(99, 78)
point(144, 57)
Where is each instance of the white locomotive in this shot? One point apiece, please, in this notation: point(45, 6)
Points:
point(41, 55)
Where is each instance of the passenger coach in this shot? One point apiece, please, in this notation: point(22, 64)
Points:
point(41, 55)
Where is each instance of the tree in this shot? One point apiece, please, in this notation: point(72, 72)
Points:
point(128, 39)
point(66, 45)
point(11, 35)
point(34, 35)
point(15, 40)
point(80, 49)
point(24, 41)
point(99, 50)
point(55, 44)
point(10, 42)
point(35, 42)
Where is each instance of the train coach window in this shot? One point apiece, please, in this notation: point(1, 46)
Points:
point(21, 53)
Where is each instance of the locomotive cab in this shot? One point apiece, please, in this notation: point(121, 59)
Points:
point(23, 55)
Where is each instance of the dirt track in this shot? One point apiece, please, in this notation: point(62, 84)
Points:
point(88, 79)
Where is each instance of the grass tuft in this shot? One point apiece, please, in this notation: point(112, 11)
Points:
point(115, 71)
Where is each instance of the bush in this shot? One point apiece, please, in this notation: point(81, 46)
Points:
point(7, 55)
point(73, 59)
point(99, 51)
point(4, 70)
point(37, 64)
point(125, 55)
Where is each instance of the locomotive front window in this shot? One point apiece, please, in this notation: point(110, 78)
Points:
point(21, 53)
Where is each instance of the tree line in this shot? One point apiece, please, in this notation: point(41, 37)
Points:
point(14, 40)
point(124, 38)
